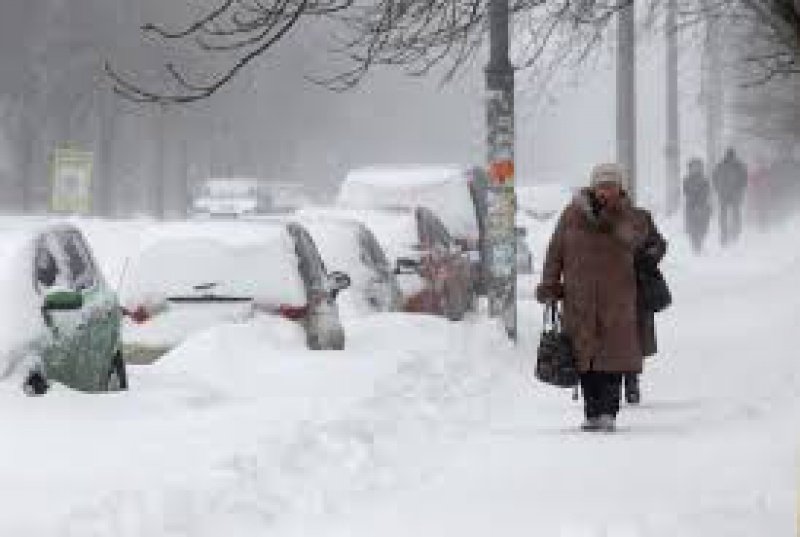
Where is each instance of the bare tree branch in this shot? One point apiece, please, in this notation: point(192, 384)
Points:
point(419, 35)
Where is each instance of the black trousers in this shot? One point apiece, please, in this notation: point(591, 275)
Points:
point(730, 222)
point(601, 393)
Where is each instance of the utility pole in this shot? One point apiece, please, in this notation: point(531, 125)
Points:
point(501, 199)
point(626, 93)
point(673, 149)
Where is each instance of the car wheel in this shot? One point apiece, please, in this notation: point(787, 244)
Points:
point(331, 342)
point(36, 384)
point(337, 341)
point(312, 340)
point(453, 307)
point(472, 299)
point(117, 379)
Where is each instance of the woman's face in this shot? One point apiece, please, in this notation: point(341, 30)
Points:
point(608, 192)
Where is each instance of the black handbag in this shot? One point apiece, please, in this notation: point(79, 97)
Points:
point(555, 358)
point(654, 293)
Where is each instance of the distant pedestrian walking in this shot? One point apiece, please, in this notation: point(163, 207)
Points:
point(697, 203)
point(590, 266)
point(730, 183)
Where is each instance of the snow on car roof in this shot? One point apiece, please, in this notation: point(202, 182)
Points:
point(232, 233)
point(231, 259)
point(408, 176)
point(21, 321)
point(444, 190)
point(395, 229)
point(18, 234)
point(336, 239)
point(29, 226)
point(231, 181)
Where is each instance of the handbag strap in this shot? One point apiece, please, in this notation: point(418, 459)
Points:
point(552, 316)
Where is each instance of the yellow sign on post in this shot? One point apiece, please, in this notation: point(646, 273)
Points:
point(71, 181)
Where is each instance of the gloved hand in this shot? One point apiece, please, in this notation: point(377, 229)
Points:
point(549, 292)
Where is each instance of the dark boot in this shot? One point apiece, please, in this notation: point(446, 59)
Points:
point(633, 395)
point(591, 425)
point(591, 389)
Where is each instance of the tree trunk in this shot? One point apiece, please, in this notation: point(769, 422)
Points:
point(673, 149)
point(714, 96)
point(626, 94)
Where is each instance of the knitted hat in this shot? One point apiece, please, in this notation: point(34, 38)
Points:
point(610, 173)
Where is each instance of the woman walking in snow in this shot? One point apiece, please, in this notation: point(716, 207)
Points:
point(590, 266)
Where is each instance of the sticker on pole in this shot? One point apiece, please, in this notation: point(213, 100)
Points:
point(502, 172)
point(71, 181)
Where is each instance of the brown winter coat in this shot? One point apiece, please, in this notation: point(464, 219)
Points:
point(593, 255)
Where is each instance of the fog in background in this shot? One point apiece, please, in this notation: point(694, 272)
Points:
point(273, 123)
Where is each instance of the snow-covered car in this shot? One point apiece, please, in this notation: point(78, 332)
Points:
point(63, 321)
point(433, 271)
point(349, 245)
point(189, 277)
point(230, 197)
point(448, 191)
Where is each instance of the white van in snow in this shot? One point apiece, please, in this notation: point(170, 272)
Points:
point(230, 197)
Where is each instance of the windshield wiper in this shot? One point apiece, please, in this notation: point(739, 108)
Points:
point(209, 298)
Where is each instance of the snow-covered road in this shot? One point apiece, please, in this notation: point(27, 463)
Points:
point(425, 427)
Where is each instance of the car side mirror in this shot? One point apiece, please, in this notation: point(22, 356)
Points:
point(406, 265)
point(62, 300)
point(339, 281)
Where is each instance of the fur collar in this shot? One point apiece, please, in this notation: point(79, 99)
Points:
point(582, 201)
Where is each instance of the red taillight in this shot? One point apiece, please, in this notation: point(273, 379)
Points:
point(138, 315)
point(293, 313)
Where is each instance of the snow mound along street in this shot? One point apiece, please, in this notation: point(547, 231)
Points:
point(423, 392)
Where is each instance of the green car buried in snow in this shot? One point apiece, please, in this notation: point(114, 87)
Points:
point(79, 343)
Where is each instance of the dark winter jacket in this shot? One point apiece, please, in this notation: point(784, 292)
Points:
point(592, 253)
point(648, 257)
point(730, 180)
point(697, 193)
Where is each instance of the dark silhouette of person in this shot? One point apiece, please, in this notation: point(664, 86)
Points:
point(697, 203)
point(730, 183)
